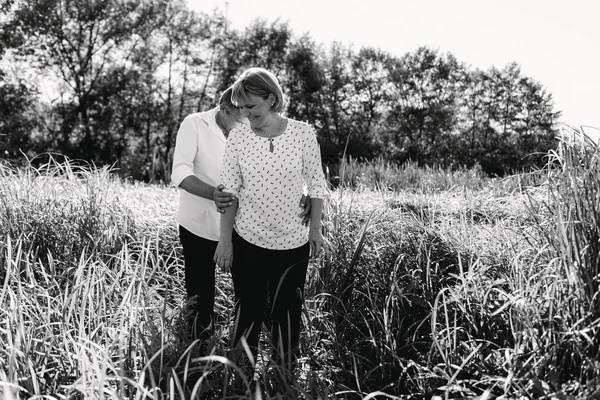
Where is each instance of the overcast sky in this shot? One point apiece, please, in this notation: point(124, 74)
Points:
point(557, 43)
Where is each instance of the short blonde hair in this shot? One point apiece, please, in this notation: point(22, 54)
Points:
point(259, 82)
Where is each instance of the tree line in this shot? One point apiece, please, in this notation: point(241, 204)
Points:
point(109, 82)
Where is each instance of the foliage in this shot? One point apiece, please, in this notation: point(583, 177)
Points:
point(379, 174)
point(116, 78)
point(64, 210)
point(573, 197)
point(424, 105)
point(119, 76)
point(16, 119)
point(459, 286)
point(510, 120)
point(80, 42)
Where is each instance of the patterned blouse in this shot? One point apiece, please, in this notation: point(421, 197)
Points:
point(269, 185)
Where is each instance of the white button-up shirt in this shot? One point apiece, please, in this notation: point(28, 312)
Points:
point(199, 149)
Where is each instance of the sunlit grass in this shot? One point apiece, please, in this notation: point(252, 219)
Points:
point(437, 283)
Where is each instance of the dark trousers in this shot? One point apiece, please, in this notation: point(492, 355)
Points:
point(198, 256)
point(269, 287)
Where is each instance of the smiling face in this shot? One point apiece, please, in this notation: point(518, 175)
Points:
point(256, 109)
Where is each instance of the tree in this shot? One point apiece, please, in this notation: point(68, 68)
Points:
point(16, 119)
point(79, 41)
point(261, 44)
point(126, 73)
point(302, 81)
point(371, 87)
point(186, 46)
point(335, 98)
point(505, 119)
point(423, 106)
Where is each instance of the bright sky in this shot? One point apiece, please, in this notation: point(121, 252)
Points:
point(556, 42)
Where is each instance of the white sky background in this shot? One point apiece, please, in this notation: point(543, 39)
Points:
point(556, 42)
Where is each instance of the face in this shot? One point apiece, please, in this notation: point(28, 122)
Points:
point(232, 114)
point(256, 109)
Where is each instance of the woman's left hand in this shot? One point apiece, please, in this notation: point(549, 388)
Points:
point(224, 255)
point(315, 238)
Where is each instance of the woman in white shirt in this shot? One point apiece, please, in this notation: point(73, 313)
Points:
point(267, 165)
point(197, 160)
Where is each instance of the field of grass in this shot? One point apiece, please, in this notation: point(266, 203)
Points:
point(438, 284)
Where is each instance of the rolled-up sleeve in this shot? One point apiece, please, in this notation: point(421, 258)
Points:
point(231, 174)
point(186, 145)
point(312, 170)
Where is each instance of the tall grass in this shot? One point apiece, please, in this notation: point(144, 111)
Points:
point(437, 284)
point(380, 174)
point(61, 210)
point(572, 299)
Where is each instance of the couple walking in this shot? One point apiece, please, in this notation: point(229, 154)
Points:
point(257, 230)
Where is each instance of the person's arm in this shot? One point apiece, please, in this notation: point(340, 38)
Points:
point(194, 185)
point(305, 206)
point(222, 199)
point(231, 177)
point(317, 189)
point(186, 150)
point(315, 236)
point(224, 253)
point(183, 176)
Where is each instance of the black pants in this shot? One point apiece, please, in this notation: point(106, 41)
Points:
point(269, 287)
point(198, 256)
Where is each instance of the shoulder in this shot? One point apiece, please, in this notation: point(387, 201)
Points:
point(294, 123)
point(199, 123)
point(239, 133)
point(300, 127)
point(205, 116)
point(191, 118)
point(190, 126)
point(192, 121)
point(241, 129)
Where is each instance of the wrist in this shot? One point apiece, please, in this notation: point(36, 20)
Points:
point(225, 236)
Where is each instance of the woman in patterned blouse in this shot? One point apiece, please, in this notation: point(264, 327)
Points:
point(267, 165)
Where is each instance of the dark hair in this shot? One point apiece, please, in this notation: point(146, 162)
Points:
point(259, 82)
point(225, 99)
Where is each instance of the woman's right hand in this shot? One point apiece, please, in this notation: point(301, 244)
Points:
point(222, 199)
point(224, 255)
